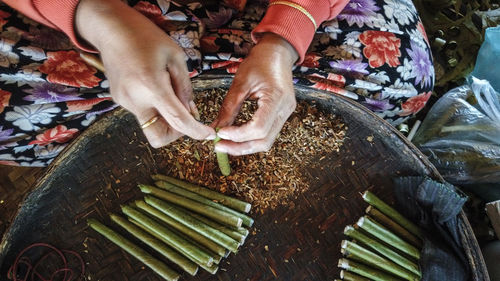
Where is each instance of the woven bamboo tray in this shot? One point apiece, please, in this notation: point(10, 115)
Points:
point(100, 170)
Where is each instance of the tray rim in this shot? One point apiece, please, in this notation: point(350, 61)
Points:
point(472, 249)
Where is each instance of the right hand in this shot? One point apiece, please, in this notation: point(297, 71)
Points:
point(146, 69)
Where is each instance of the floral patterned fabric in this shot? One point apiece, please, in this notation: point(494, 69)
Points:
point(375, 52)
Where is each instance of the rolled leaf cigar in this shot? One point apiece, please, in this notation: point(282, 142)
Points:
point(238, 234)
point(356, 252)
point(225, 200)
point(196, 225)
point(171, 238)
point(393, 226)
point(217, 259)
point(387, 210)
point(366, 271)
point(382, 249)
point(212, 269)
point(169, 253)
point(197, 207)
point(388, 237)
point(247, 221)
point(222, 158)
point(206, 242)
point(349, 276)
point(156, 265)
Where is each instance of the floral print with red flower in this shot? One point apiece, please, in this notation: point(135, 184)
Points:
point(67, 68)
point(374, 52)
point(59, 134)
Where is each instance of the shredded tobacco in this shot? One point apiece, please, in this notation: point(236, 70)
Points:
point(265, 179)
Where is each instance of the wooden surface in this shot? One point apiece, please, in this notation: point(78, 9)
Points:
point(100, 170)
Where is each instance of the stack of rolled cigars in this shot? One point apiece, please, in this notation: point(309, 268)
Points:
point(385, 245)
point(188, 225)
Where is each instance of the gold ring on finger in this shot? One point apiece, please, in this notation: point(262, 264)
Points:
point(150, 122)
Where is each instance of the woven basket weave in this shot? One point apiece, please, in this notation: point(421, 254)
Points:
point(100, 170)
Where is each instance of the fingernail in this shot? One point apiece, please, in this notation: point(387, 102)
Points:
point(194, 110)
point(221, 149)
point(222, 135)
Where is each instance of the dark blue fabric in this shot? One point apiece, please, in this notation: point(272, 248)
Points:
point(435, 207)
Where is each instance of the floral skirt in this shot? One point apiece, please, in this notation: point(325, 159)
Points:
point(375, 52)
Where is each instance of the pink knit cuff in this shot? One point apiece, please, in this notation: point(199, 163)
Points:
point(292, 24)
point(61, 13)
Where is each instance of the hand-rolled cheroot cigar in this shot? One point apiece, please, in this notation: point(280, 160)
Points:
point(382, 249)
point(173, 240)
point(393, 226)
point(388, 237)
point(225, 200)
point(349, 276)
point(204, 241)
point(356, 252)
point(366, 271)
point(247, 221)
point(205, 230)
point(211, 269)
point(169, 253)
point(387, 210)
point(151, 262)
point(192, 205)
point(238, 234)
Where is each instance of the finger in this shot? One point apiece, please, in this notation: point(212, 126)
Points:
point(159, 133)
point(181, 83)
point(231, 105)
point(180, 118)
point(250, 147)
point(269, 112)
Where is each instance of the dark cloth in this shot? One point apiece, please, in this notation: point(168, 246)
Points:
point(435, 207)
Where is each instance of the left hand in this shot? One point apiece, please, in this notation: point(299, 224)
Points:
point(266, 76)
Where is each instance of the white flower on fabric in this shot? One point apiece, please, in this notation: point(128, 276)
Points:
point(7, 56)
point(26, 117)
point(34, 53)
point(350, 50)
point(370, 86)
point(90, 119)
point(383, 24)
point(37, 163)
point(19, 149)
point(185, 40)
point(399, 89)
point(379, 77)
point(417, 37)
point(28, 75)
point(193, 53)
point(7, 157)
point(332, 28)
point(403, 12)
point(352, 45)
point(48, 151)
point(406, 69)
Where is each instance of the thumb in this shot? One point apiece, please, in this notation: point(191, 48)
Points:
point(231, 105)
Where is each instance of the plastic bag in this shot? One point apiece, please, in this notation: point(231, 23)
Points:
point(488, 59)
point(461, 137)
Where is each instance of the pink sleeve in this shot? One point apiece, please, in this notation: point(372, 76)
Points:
point(293, 25)
point(58, 14)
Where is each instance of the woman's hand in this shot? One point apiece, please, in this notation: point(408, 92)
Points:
point(146, 69)
point(266, 76)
